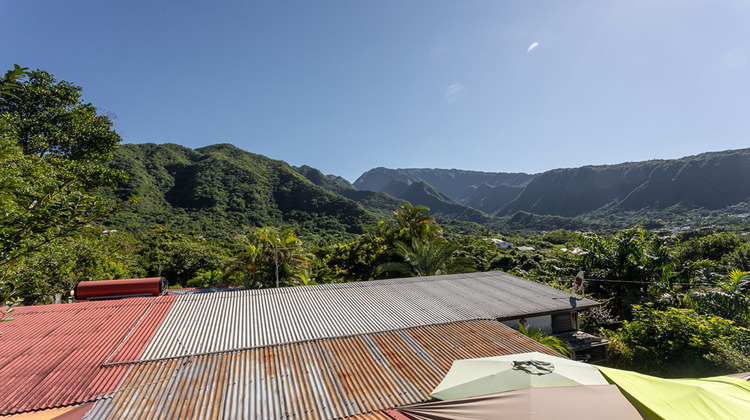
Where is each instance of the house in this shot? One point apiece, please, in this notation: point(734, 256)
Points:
point(503, 245)
point(322, 351)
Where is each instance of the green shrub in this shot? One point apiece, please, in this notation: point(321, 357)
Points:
point(679, 343)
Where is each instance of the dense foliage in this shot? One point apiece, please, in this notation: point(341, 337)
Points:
point(54, 150)
point(270, 258)
point(674, 304)
point(680, 343)
point(222, 191)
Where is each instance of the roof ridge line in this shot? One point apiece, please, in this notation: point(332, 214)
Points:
point(314, 340)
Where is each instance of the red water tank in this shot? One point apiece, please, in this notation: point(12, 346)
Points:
point(111, 289)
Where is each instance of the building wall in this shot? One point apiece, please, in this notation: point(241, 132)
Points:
point(544, 322)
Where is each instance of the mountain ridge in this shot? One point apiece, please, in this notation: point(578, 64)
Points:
point(710, 180)
point(452, 182)
point(222, 190)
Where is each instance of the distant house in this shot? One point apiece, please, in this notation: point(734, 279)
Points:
point(503, 245)
point(324, 351)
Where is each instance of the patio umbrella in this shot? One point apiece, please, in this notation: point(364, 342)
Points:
point(718, 397)
point(745, 375)
point(570, 402)
point(472, 377)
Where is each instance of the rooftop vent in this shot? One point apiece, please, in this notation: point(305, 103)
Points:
point(114, 289)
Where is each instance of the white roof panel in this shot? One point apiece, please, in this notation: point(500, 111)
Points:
point(215, 322)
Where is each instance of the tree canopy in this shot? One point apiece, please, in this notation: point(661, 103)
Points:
point(270, 257)
point(49, 118)
point(53, 150)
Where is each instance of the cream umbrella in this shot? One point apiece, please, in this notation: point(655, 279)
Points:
point(472, 377)
point(585, 402)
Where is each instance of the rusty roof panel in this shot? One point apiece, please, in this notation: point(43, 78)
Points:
point(205, 323)
point(52, 354)
point(377, 415)
point(320, 379)
point(70, 412)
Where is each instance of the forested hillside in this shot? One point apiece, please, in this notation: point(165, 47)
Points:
point(378, 203)
point(441, 205)
point(709, 181)
point(220, 189)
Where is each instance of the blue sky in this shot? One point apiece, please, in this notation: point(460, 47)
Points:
point(346, 86)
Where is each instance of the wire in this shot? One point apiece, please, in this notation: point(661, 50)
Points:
point(648, 282)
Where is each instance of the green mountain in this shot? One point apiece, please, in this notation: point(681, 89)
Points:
point(709, 181)
point(423, 194)
point(377, 203)
point(457, 184)
point(573, 192)
point(712, 181)
point(491, 199)
point(470, 196)
point(222, 190)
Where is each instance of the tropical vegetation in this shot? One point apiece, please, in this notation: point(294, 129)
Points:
point(541, 337)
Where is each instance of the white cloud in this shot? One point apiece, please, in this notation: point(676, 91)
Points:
point(454, 92)
point(532, 47)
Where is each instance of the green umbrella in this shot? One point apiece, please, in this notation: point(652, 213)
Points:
point(718, 397)
point(472, 377)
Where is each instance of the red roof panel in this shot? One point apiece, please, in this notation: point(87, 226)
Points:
point(53, 354)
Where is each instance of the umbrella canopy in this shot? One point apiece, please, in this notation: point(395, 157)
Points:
point(570, 402)
point(745, 375)
point(719, 397)
point(472, 377)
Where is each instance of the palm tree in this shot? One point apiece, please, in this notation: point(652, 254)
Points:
point(554, 343)
point(246, 263)
point(270, 258)
point(424, 259)
point(728, 298)
point(414, 222)
point(624, 258)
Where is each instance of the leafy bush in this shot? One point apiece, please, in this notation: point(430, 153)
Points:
point(740, 258)
point(679, 343)
point(716, 247)
point(726, 298)
point(207, 278)
point(178, 257)
point(560, 237)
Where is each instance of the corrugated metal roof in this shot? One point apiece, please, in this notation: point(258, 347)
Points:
point(321, 379)
point(200, 290)
point(378, 415)
point(59, 413)
point(52, 354)
point(201, 324)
